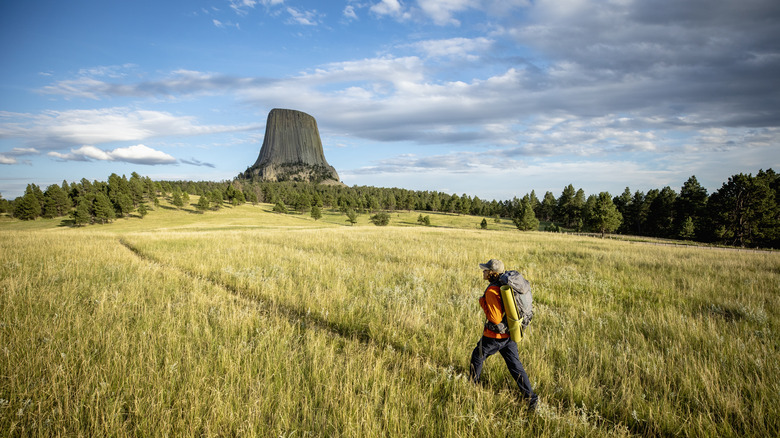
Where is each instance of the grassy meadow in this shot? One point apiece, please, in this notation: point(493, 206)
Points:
point(242, 322)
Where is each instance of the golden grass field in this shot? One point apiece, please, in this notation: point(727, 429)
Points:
point(242, 322)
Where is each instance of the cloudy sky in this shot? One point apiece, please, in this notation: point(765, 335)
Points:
point(492, 98)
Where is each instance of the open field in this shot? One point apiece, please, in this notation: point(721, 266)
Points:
point(243, 322)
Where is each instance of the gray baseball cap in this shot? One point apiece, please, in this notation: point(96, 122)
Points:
point(494, 265)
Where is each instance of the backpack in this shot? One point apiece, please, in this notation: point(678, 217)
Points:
point(521, 292)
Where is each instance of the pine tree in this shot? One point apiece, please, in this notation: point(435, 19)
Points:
point(4, 205)
point(604, 216)
point(104, 211)
point(56, 201)
point(36, 190)
point(535, 204)
point(136, 190)
point(251, 196)
point(526, 221)
point(380, 219)
point(123, 205)
point(660, 215)
point(316, 213)
point(216, 198)
point(465, 204)
point(623, 205)
point(690, 204)
point(81, 215)
point(27, 207)
point(687, 230)
point(176, 199)
point(564, 211)
point(280, 207)
point(351, 217)
point(203, 203)
point(744, 211)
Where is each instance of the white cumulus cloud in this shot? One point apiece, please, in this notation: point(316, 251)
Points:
point(57, 129)
point(137, 154)
point(390, 8)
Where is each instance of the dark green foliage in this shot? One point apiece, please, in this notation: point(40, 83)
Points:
point(49, 209)
point(5, 206)
point(483, 224)
point(687, 229)
point(743, 212)
point(136, 190)
point(176, 199)
point(123, 205)
point(279, 207)
point(351, 217)
point(36, 190)
point(380, 219)
point(660, 216)
point(316, 213)
point(81, 215)
point(302, 202)
point(526, 219)
point(602, 215)
point(623, 204)
point(56, 202)
point(234, 195)
point(104, 211)
point(535, 204)
point(27, 207)
point(690, 208)
point(569, 206)
point(251, 196)
point(203, 203)
point(142, 211)
point(216, 199)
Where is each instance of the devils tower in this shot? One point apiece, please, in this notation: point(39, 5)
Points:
point(291, 151)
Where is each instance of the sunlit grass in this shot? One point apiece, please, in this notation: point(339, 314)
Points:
point(246, 322)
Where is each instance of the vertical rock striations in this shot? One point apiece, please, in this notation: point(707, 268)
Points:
point(291, 151)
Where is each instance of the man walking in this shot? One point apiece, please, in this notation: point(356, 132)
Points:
point(495, 336)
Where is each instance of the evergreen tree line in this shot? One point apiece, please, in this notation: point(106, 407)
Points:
point(745, 211)
point(86, 202)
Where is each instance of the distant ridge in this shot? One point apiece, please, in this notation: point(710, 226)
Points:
point(291, 151)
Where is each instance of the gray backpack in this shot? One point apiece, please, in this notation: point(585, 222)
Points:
point(521, 290)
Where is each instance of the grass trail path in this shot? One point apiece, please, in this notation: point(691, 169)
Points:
point(306, 319)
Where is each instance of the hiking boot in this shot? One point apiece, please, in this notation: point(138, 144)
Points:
point(532, 403)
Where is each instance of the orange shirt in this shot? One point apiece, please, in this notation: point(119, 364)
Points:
point(494, 310)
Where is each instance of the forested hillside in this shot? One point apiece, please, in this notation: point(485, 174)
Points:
point(745, 211)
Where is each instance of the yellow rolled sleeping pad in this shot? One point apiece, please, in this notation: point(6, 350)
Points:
point(512, 315)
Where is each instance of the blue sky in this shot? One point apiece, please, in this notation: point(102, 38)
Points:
point(492, 98)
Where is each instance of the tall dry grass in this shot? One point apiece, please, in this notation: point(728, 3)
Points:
point(366, 331)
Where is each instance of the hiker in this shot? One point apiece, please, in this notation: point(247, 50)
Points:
point(495, 336)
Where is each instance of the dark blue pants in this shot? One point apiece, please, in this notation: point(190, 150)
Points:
point(487, 347)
